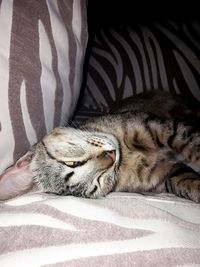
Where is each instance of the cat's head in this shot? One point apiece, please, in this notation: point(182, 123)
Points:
point(75, 162)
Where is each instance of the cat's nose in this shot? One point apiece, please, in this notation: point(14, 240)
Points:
point(111, 154)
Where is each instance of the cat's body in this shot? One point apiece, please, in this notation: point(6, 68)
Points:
point(132, 151)
point(129, 150)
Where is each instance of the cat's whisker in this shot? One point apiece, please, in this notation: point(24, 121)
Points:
point(84, 134)
point(79, 129)
point(75, 124)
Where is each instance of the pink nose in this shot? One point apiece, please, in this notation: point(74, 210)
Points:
point(111, 154)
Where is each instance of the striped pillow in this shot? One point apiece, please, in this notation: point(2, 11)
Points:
point(128, 59)
point(42, 48)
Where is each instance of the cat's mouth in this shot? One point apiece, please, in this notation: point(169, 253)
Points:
point(98, 186)
point(94, 191)
point(106, 181)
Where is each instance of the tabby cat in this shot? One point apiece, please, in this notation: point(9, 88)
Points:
point(143, 146)
point(127, 150)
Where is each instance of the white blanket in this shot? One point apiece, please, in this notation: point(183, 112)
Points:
point(119, 230)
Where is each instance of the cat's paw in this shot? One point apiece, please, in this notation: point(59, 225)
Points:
point(190, 189)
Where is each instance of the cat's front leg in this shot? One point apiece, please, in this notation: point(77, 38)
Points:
point(182, 137)
point(184, 182)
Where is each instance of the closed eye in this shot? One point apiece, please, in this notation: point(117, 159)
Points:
point(71, 164)
point(74, 164)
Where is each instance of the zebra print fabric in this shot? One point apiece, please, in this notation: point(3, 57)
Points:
point(42, 48)
point(119, 230)
point(127, 60)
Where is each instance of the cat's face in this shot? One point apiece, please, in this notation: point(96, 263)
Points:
point(75, 162)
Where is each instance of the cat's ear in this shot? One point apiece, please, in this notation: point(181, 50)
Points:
point(17, 179)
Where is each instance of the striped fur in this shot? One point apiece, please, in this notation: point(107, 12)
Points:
point(73, 162)
point(131, 151)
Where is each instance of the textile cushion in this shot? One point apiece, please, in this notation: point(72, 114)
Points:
point(42, 48)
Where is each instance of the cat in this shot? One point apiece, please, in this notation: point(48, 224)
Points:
point(127, 150)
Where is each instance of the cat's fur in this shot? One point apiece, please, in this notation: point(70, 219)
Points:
point(132, 151)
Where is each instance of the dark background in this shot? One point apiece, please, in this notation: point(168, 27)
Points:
point(102, 13)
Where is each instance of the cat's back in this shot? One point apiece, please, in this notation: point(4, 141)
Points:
point(160, 103)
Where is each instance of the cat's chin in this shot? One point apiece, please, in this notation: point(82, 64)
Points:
point(107, 185)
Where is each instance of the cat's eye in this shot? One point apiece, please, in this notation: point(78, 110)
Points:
point(74, 164)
